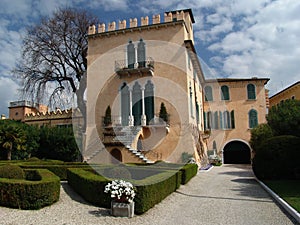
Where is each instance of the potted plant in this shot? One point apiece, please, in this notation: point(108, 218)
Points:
point(122, 194)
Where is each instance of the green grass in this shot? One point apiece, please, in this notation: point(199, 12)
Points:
point(289, 190)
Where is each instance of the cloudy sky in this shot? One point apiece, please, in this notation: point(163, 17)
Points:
point(234, 38)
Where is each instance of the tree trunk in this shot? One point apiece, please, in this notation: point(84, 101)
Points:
point(9, 154)
point(80, 99)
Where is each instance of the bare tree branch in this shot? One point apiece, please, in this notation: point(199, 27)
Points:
point(54, 58)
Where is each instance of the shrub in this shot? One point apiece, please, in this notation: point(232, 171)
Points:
point(58, 143)
point(27, 194)
point(11, 172)
point(259, 134)
point(277, 158)
point(188, 172)
point(91, 187)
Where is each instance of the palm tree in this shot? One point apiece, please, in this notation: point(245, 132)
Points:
point(11, 136)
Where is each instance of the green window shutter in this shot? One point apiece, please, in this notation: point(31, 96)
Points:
point(251, 92)
point(253, 121)
point(205, 121)
point(216, 120)
point(208, 93)
point(221, 120)
point(225, 93)
point(232, 119)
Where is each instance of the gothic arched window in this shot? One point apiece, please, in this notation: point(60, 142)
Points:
point(130, 55)
point(141, 53)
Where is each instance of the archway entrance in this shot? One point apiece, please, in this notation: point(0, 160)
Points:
point(236, 152)
point(116, 153)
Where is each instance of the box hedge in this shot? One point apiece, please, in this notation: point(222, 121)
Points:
point(188, 172)
point(42, 189)
point(91, 186)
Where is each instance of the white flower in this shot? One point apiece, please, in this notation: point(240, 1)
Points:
point(119, 188)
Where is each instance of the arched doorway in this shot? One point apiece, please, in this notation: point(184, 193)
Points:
point(116, 153)
point(236, 152)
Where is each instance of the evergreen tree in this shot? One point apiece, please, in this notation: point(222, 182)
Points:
point(163, 113)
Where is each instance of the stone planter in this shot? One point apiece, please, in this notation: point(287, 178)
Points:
point(122, 209)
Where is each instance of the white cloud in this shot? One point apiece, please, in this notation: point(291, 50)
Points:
point(260, 39)
point(8, 93)
point(110, 5)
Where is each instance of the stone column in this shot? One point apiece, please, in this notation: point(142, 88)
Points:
point(143, 118)
point(131, 118)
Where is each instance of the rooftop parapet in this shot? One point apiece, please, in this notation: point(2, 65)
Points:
point(133, 22)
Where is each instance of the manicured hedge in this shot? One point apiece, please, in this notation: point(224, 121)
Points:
point(59, 170)
point(150, 191)
point(89, 185)
point(277, 158)
point(153, 190)
point(188, 172)
point(42, 189)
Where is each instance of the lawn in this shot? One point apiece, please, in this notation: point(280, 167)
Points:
point(289, 190)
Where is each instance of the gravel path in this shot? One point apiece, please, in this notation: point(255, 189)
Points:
point(225, 195)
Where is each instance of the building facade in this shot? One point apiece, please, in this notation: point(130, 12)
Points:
point(139, 70)
point(291, 92)
point(232, 107)
point(133, 70)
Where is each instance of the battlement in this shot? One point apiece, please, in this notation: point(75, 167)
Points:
point(49, 115)
point(169, 17)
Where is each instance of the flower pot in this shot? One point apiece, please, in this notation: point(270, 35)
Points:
point(122, 209)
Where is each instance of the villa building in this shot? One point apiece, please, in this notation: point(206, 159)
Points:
point(133, 70)
point(232, 107)
point(148, 100)
point(291, 92)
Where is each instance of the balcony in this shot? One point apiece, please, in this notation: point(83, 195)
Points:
point(144, 68)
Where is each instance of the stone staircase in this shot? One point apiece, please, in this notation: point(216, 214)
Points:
point(125, 136)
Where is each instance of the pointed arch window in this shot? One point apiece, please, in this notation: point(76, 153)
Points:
point(251, 93)
point(149, 101)
point(253, 120)
point(225, 93)
point(208, 93)
point(125, 103)
point(137, 103)
point(141, 53)
point(130, 55)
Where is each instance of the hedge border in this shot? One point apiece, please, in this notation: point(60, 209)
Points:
point(91, 187)
point(29, 194)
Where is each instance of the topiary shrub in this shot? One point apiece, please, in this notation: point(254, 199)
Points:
point(276, 158)
point(42, 189)
point(11, 172)
point(33, 159)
